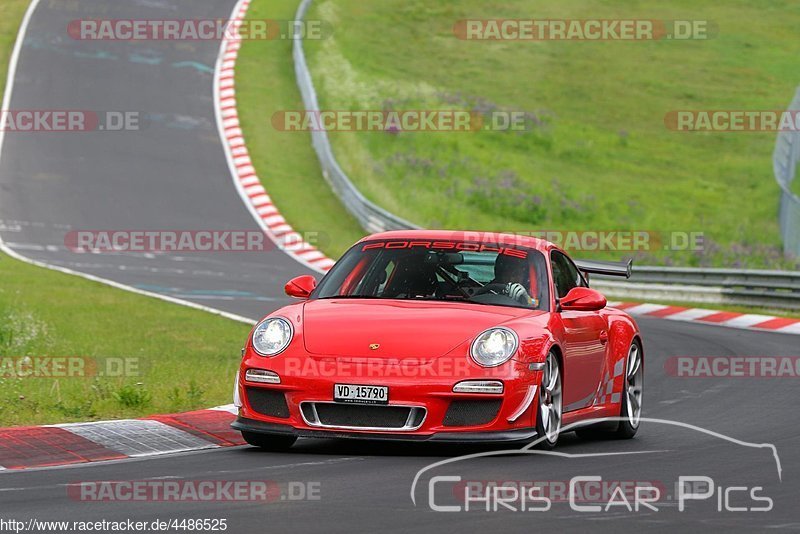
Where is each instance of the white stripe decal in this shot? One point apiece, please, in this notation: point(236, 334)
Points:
point(526, 403)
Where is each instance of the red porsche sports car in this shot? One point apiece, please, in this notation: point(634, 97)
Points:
point(443, 336)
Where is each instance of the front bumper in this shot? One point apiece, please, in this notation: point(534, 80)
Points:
point(436, 412)
point(243, 424)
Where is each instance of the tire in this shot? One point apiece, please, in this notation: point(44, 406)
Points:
point(269, 442)
point(630, 403)
point(549, 413)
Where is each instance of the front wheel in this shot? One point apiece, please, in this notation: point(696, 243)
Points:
point(548, 420)
point(269, 442)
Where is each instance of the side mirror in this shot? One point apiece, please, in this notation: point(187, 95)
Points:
point(583, 299)
point(300, 287)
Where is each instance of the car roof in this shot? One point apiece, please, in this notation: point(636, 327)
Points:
point(467, 235)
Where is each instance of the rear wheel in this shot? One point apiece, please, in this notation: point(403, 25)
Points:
point(269, 442)
point(631, 411)
point(630, 404)
point(548, 420)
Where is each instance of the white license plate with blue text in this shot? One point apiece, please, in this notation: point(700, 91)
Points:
point(353, 393)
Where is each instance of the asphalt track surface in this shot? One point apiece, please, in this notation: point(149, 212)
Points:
point(173, 175)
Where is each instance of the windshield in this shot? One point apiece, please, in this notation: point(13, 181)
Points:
point(480, 273)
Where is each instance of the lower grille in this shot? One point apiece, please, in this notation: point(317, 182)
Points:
point(268, 402)
point(472, 412)
point(362, 416)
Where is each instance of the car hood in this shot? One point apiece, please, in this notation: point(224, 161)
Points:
point(404, 330)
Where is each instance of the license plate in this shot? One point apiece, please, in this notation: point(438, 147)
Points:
point(353, 393)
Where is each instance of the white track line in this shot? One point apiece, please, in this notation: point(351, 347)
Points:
point(12, 62)
point(10, 81)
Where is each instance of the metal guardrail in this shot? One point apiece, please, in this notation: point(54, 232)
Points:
point(767, 289)
point(784, 162)
point(763, 289)
point(372, 218)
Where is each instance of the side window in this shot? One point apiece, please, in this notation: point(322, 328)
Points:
point(565, 274)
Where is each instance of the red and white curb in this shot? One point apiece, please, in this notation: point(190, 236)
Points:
point(244, 173)
point(80, 443)
point(747, 321)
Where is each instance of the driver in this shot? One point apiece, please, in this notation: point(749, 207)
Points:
point(511, 272)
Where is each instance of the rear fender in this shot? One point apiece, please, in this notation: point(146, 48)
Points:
point(622, 330)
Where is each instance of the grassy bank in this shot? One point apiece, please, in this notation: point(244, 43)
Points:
point(598, 155)
point(130, 355)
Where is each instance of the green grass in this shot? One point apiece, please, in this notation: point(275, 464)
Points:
point(285, 161)
point(11, 13)
point(600, 157)
point(177, 358)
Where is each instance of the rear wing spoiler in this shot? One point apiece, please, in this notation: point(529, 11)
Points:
point(607, 268)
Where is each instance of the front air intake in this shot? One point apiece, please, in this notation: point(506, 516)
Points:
point(268, 402)
point(472, 412)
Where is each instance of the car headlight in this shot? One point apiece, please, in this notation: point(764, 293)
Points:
point(272, 336)
point(494, 347)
